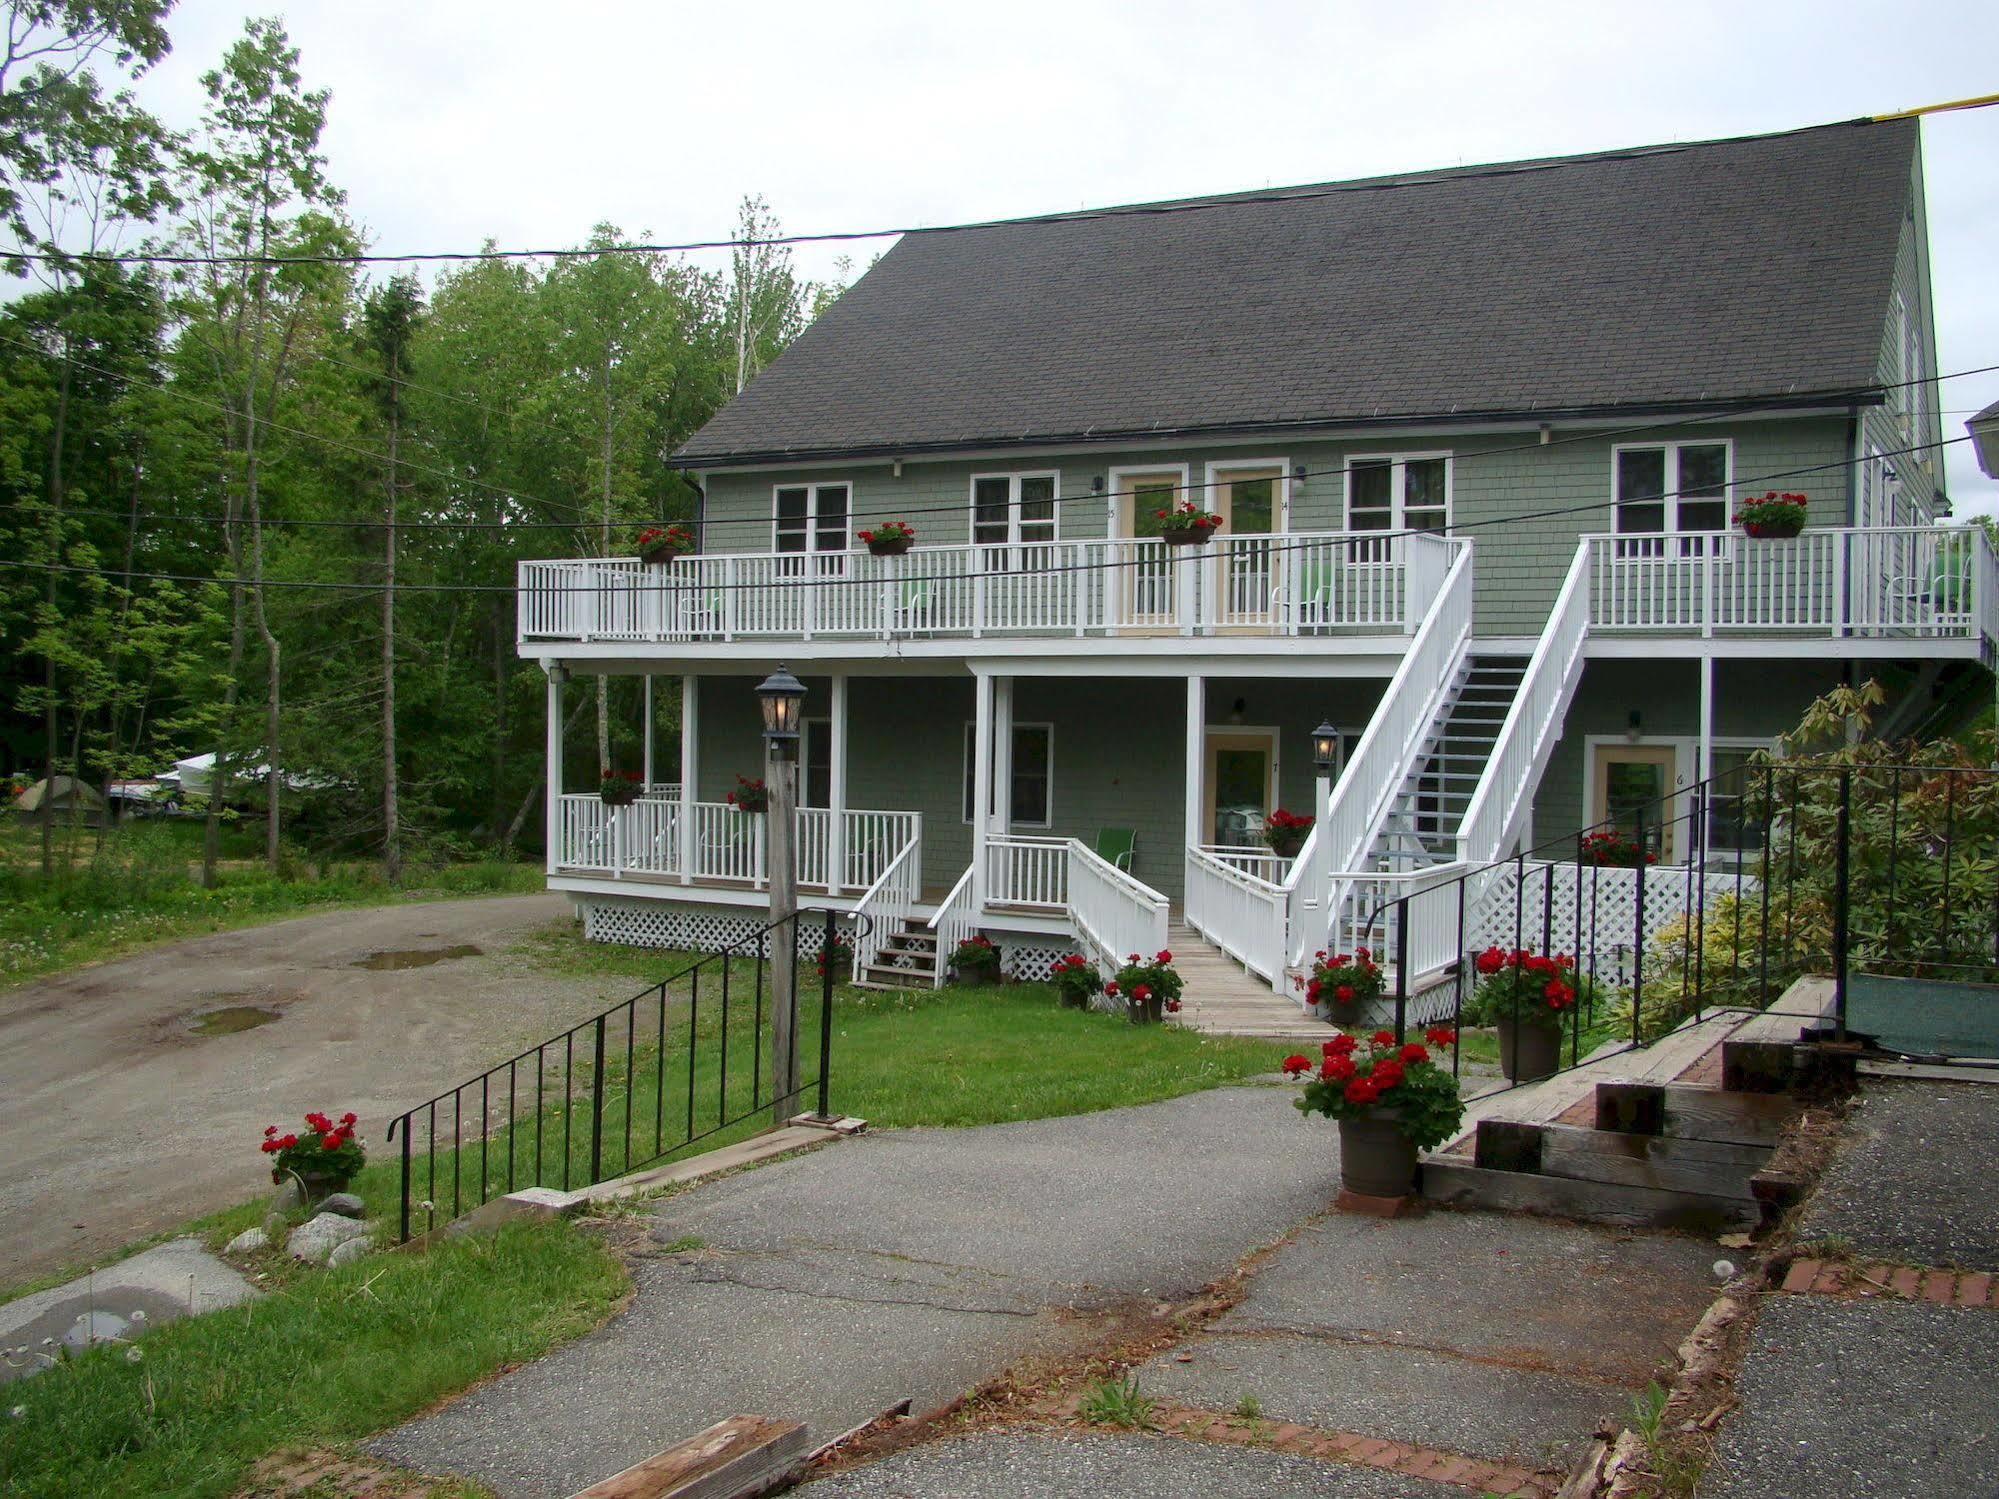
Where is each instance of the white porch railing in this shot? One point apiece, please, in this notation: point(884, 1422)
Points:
point(1032, 873)
point(1902, 581)
point(955, 920)
point(1293, 583)
point(1232, 901)
point(644, 839)
point(1381, 762)
point(1533, 723)
point(886, 904)
point(1112, 912)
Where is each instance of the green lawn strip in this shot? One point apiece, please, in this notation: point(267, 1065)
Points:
point(323, 1360)
point(139, 891)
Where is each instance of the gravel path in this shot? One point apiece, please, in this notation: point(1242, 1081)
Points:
point(99, 1061)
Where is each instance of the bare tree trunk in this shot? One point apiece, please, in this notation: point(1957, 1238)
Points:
point(51, 726)
point(219, 773)
point(604, 682)
point(521, 814)
point(392, 855)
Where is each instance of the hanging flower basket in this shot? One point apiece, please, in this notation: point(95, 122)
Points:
point(1391, 1100)
point(620, 788)
point(749, 795)
point(1186, 524)
point(1774, 517)
point(660, 544)
point(1286, 832)
point(889, 539)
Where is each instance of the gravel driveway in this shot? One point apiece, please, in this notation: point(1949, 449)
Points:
point(120, 1118)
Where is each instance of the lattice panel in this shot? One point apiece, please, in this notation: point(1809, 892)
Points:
point(1600, 927)
point(685, 928)
point(1031, 962)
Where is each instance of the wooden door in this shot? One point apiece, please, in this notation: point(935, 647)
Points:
point(1634, 781)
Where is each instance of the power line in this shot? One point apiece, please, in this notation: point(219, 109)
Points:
point(1402, 182)
point(1822, 395)
point(1341, 540)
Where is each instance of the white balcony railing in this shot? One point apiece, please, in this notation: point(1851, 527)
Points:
point(1901, 581)
point(643, 839)
point(1301, 583)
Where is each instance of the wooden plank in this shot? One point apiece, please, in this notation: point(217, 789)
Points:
point(733, 1459)
point(1704, 1167)
point(1711, 1114)
point(1598, 1202)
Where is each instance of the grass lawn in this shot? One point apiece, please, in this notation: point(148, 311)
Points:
point(142, 886)
point(325, 1359)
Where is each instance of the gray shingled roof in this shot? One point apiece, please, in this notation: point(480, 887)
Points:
point(1653, 278)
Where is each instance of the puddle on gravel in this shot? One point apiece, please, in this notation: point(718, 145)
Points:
point(227, 1020)
point(414, 957)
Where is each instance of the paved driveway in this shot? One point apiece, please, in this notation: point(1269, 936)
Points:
point(118, 1118)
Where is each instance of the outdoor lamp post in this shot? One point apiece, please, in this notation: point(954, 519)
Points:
point(782, 698)
point(1325, 750)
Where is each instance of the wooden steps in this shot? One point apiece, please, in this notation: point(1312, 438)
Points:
point(1223, 998)
point(907, 960)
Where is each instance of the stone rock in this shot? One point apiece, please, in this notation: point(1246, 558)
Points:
point(346, 1204)
point(250, 1241)
point(316, 1238)
point(348, 1253)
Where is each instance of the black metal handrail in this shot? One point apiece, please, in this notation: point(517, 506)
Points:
point(1778, 880)
point(609, 1098)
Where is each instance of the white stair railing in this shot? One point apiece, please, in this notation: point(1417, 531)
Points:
point(955, 920)
point(1381, 763)
point(1112, 913)
point(1237, 909)
point(1533, 723)
point(886, 905)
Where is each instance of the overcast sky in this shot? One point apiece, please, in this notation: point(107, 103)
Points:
point(457, 120)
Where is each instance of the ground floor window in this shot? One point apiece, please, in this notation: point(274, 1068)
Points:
point(1033, 772)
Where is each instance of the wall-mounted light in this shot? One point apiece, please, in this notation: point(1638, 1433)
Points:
point(1097, 484)
point(1298, 473)
point(1634, 727)
point(896, 468)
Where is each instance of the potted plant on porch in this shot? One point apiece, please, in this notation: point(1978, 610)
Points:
point(620, 788)
point(889, 539)
point(1775, 516)
point(1345, 983)
point(659, 544)
point(1526, 997)
point(975, 961)
point(1391, 1100)
point(1612, 850)
point(1186, 524)
point(749, 795)
point(1151, 988)
point(1077, 981)
point(1286, 832)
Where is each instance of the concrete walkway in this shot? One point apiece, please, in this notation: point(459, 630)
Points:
point(1874, 1388)
point(96, 1060)
point(917, 1265)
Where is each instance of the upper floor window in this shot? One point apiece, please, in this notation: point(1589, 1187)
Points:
point(1013, 508)
point(1399, 492)
point(811, 517)
point(1672, 486)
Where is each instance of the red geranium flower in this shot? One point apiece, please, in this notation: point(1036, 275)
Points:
point(1441, 1035)
point(1384, 1038)
point(1336, 1069)
point(1340, 1046)
point(1414, 1052)
point(1361, 1090)
point(1162, 956)
point(1491, 960)
point(1293, 1065)
point(1141, 991)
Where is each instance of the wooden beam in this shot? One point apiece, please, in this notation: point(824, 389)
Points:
point(733, 1459)
point(1714, 1168)
point(1565, 1197)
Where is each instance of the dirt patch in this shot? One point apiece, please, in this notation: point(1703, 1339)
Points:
point(227, 1020)
point(394, 961)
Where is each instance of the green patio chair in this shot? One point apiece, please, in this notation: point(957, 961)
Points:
point(912, 610)
point(1117, 846)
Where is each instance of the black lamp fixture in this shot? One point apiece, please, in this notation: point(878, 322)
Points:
point(1325, 748)
point(782, 696)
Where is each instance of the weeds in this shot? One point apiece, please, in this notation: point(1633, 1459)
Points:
point(1117, 1402)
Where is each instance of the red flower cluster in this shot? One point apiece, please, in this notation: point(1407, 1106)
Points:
point(1187, 516)
point(331, 1135)
point(749, 796)
point(1551, 980)
point(1363, 1079)
point(1343, 978)
point(1281, 820)
point(615, 777)
point(677, 537)
point(1612, 850)
point(889, 530)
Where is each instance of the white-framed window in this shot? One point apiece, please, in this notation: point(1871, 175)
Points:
point(810, 518)
point(1737, 791)
point(1662, 488)
point(1398, 491)
point(1033, 773)
point(1014, 508)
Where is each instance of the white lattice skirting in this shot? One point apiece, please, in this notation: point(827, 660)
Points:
point(1594, 913)
point(684, 928)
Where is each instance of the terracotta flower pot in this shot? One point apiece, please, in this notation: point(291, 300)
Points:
point(1191, 536)
point(1528, 1052)
point(1376, 1158)
point(893, 546)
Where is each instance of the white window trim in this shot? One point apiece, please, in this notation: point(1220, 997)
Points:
point(1398, 485)
point(965, 772)
point(1013, 478)
point(1280, 521)
point(1119, 476)
point(1672, 481)
point(812, 527)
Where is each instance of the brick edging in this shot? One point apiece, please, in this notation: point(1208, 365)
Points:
point(1858, 1278)
point(1477, 1474)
